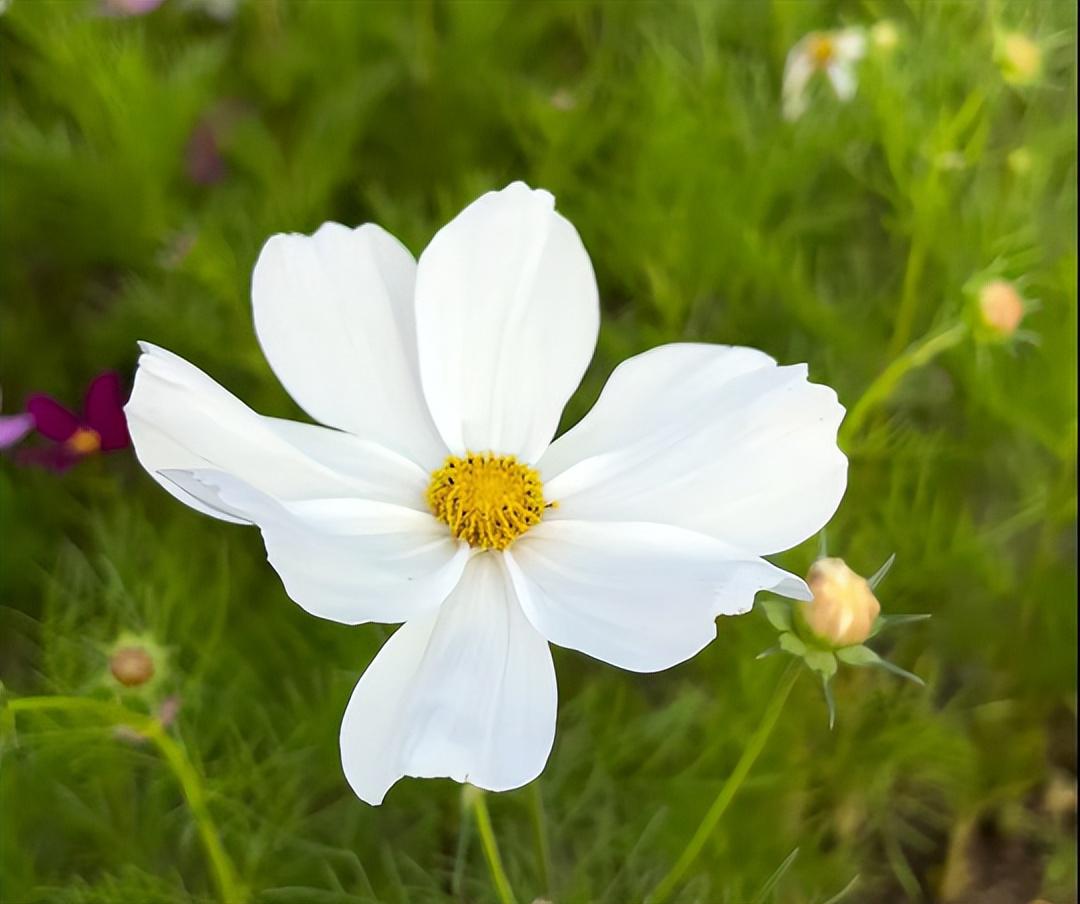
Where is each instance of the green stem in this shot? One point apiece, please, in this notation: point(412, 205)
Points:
point(491, 848)
point(909, 297)
point(731, 787)
point(879, 391)
point(229, 888)
point(543, 849)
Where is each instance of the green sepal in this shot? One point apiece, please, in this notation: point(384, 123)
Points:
point(791, 644)
point(772, 651)
point(858, 655)
point(821, 661)
point(778, 613)
point(903, 673)
point(826, 687)
point(863, 656)
point(891, 621)
point(878, 576)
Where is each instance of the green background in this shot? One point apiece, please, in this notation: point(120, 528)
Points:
point(837, 240)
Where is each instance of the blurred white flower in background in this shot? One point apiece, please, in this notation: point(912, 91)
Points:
point(829, 53)
point(436, 497)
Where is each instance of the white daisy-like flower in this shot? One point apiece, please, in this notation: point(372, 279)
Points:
point(833, 53)
point(436, 497)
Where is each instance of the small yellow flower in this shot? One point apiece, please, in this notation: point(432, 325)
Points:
point(1000, 308)
point(844, 608)
point(1019, 58)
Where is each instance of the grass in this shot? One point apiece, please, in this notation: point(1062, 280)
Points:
point(847, 239)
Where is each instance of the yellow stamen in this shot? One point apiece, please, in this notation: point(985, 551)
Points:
point(485, 499)
point(821, 51)
point(84, 441)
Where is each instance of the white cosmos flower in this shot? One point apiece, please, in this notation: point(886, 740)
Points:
point(436, 497)
point(833, 53)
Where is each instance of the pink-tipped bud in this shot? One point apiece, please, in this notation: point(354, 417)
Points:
point(131, 666)
point(1000, 308)
point(844, 608)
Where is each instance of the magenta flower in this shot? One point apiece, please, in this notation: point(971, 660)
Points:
point(101, 427)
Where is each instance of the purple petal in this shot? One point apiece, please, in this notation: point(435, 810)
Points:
point(205, 165)
point(104, 411)
point(56, 458)
point(52, 419)
point(130, 7)
point(14, 427)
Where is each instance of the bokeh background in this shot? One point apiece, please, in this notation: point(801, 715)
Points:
point(146, 155)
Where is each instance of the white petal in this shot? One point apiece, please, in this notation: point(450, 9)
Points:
point(334, 315)
point(467, 693)
point(850, 44)
point(842, 77)
point(711, 438)
point(797, 73)
point(640, 596)
point(181, 419)
point(348, 560)
point(507, 316)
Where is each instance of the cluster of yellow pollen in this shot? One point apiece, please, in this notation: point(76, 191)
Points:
point(84, 441)
point(821, 51)
point(485, 499)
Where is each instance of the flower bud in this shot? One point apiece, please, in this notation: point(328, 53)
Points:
point(1020, 161)
point(1020, 58)
point(1000, 308)
point(131, 666)
point(844, 608)
point(885, 36)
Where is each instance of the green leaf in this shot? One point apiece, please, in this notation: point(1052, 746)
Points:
point(778, 613)
point(792, 644)
point(774, 880)
point(821, 661)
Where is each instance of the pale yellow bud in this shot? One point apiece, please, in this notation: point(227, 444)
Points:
point(844, 607)
point(1001, 308)
point(1020, 161)
point(885, 36)
point(131, 666)
point(1020, 58)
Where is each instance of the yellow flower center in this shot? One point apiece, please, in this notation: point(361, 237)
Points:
point(485, 499)
point(84, 441)
point(822, 50)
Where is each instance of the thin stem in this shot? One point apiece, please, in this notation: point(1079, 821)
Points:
point(221, 867)
point(543, 849)
point(879, 391)
point(909, 297)
point(731, 787)
point(491, 848)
